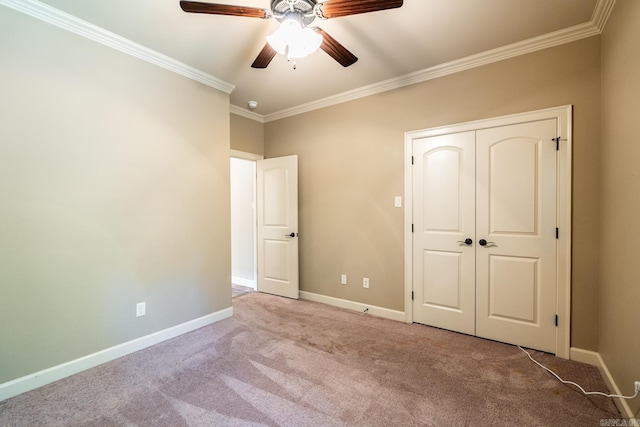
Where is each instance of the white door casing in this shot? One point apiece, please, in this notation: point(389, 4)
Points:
point(518, 263)
point(277, 213)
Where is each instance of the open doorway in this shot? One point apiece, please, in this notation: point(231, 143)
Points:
point(243, 221)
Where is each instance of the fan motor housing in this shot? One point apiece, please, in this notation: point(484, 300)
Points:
point(302, 10)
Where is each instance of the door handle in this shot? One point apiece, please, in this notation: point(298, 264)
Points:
point(483, 242)
point(290, 235)
point(466, 241)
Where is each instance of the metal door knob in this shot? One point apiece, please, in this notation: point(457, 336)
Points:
point(290, 235)
point(466, 241)
point(487, 244)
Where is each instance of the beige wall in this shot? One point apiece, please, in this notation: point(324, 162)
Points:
point(114, 189)
point(620, 230)
point(351, 167)
point(247, 135)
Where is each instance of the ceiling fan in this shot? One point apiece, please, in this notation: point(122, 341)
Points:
point(294, 37)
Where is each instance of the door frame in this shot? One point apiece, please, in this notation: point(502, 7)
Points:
point(563, 115)
point(235, 154)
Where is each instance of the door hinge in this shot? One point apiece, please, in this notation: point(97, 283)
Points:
point(557, 141)
point(557, 233)
point(411, 295)
point(556, 320)
point(412, 228)
point(411, 159)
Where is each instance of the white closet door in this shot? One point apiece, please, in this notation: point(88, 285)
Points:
point(516, 216)
point(444, 215)
point(496, 187)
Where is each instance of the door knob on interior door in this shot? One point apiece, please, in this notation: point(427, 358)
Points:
point(290, 235)
point(466, 241)
point(483, 242)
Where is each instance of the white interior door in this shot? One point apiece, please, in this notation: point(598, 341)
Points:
point(497, 188)
point(277, 212)
point(516, 216)
point(444, 218)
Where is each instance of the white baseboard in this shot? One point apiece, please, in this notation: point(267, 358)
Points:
point(594, 358)
point(584, 356)
point(55, 373)
point(243, 282)
point(355, 306)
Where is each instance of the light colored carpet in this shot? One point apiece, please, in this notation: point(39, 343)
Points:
point(298, 363)
point(237, 290)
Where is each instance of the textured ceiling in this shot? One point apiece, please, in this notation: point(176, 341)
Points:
point(419, 35)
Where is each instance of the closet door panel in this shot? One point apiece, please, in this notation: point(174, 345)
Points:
point(444, 217)
point(516, 220)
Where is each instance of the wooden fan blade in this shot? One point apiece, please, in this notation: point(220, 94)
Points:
point(337, 8)
point(223, 9)
point(264, 57)
point(335, 49)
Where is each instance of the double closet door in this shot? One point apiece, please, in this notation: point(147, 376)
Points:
point(484, 241)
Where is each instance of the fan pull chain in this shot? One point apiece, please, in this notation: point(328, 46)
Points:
point(295, 65)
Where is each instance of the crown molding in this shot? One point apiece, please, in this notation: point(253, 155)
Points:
point(601, 13)
point(531, 45)
point(598, 21)
point(233, 109)
point(90, 31)
point(51, 15)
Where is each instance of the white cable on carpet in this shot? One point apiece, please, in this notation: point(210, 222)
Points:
point(574, 384)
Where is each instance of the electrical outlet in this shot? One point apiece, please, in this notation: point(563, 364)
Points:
point(343, 279)
point(141, 309)
point(637, 383)
point(365, 282)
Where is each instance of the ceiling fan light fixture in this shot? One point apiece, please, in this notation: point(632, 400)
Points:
point(293, 40)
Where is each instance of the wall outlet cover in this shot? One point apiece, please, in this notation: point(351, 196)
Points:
point(141, 309)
